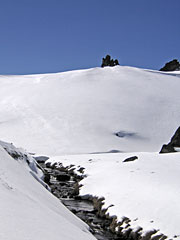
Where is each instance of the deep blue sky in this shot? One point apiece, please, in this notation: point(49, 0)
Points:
point(38, 36)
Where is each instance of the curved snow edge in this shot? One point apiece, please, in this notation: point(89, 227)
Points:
point(122, 227)
point(21, 155)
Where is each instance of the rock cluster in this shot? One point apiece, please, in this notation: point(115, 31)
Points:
point(173, 65)
point(173, 144)
point(107, 61)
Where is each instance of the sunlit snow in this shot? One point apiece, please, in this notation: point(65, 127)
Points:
point(68, 116)
point(81, 111)
point(28, 210)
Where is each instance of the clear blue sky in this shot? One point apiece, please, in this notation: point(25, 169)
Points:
point(38, 36)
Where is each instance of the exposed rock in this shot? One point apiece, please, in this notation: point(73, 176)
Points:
point(167, 148)
point(173, 65)
point(81, 170)
point(130, 159)
point(63, 177)
point(175, 142)
point(107, 61)
point(41, 159)
point(48, 164)
point(47, 178)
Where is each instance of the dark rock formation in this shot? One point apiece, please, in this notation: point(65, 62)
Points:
point(130, 159)
point(175, 142)
point(41, 159)
point(167, 148)
point(173, 65)
point(107, 61)
point(47, 178)
point(63, 177)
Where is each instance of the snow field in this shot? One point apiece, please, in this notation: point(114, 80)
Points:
point(80, 111)
point(70, 115)
point(147, 190)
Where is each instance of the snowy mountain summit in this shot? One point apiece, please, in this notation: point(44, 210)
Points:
point(85, 111)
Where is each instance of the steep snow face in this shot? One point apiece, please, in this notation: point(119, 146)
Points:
point(80, 111)
point(28, 210)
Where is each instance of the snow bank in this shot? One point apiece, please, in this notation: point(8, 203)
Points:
point(27, 209)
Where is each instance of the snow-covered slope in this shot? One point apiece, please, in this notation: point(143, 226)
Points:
point(147, 190)
point(80, 111)
point(27, 210)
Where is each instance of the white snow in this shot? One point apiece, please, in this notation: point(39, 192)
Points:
point(29, 211)
point(80, 111)
point(147, 190)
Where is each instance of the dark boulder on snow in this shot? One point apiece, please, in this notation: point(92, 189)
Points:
point(130, 159)
point(174, 143)
point(173, 65)
point(107, 61)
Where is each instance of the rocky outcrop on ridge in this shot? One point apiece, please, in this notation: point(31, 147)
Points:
point(107, 61)
point(173, 144)
point(173, 65)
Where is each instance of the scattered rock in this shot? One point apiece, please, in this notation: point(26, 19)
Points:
point(173, 65)
point(130, 159)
